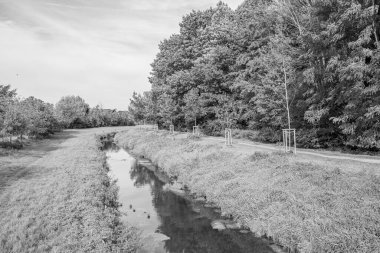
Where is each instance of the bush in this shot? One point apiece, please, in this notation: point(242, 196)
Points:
point(12, 145)
point(245, 134)
point(263, 135)
point(213, 127)
point(318, 138)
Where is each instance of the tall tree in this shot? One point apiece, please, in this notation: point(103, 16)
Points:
point(71, 111)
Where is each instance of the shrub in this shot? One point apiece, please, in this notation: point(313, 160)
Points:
point(12, 145)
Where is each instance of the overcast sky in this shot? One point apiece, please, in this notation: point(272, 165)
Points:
point(100, 50)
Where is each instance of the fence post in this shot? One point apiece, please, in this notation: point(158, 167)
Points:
point(196, 131)
point(228, 136)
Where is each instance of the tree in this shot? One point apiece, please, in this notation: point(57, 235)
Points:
point(39, 116)
point(167, 109)
point(328, 51)
point(71, 111)
point(15, 121)
point(193, 106)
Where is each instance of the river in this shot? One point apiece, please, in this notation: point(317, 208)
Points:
point(171, 220)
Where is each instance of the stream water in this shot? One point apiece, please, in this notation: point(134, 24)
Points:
point(172, 221)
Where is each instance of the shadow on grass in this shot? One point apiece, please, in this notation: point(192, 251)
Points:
point(11, 174)
point(18, 165)
point(38, 148)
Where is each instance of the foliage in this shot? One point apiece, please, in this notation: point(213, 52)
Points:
point(40, 117)
point(327, 51)
point(35, 118)
point(71, 111)
point(15, 121)
point(99, 117)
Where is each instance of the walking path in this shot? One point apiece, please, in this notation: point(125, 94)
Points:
point(324, 154)
point(328, 159)
point(331, 159)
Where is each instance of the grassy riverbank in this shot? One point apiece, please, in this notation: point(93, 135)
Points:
point(300, 205)
point(59, 198)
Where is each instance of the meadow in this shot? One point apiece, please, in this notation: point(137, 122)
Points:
point(303, 206)
point(56, 196)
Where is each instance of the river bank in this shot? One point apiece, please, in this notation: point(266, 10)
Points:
point(57, 197)
point(302, 206)
point(170, 218)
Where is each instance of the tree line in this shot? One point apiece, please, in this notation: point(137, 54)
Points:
point(35, 118)
point(229, 68)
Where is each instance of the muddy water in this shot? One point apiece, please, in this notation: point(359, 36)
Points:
point(173, 221)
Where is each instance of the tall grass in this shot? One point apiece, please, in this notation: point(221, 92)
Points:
point(302, 206)
point(66, 203)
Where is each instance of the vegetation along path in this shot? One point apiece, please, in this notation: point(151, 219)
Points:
point(56, 196)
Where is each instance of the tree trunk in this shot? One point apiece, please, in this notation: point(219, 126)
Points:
point(286, 93)
point(374, 26)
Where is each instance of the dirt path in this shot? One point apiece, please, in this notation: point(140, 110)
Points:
point(324, 154)
point(330, 159)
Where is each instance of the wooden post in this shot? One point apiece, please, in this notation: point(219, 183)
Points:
point(228, 137)
point(196, 131)
point(287, 140)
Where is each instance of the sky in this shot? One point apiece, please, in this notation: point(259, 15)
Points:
point(100, 50)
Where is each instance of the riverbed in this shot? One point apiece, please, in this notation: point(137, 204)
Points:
point(171, 219)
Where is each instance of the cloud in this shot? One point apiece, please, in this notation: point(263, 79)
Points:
point(99, 49)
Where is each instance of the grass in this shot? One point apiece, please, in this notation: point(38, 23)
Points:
point(60, 199)
point(302, 206)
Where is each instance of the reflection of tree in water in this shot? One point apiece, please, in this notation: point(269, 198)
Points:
point(110, 146)
point(190, 231)
point(142, 176)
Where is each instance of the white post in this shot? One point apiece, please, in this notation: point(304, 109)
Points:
point(287, 140)
point(196, 131)
point(228, 136)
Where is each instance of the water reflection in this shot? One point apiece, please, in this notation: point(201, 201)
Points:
point(185, 221)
